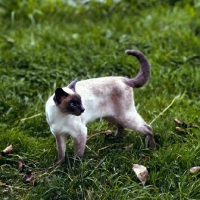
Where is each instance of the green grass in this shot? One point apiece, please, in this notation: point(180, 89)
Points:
point(46, 44)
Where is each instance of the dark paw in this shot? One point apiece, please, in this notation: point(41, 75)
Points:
point(152, 145)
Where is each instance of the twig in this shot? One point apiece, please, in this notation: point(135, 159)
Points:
point(93, 136)
point(165, 109)
point(31, 117)
point(107, 146)
point(14, 187)
point(92, 151)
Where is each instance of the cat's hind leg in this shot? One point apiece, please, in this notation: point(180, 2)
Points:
point(136, 123)
point(113, 121)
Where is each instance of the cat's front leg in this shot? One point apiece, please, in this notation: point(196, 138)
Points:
point(61, 147)
point(80, 143)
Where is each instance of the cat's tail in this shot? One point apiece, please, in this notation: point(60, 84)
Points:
point(144, 73)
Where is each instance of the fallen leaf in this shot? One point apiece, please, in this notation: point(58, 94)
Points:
point(194, 126)
point(28, 177)
point(10, 40)
point(182, 124)
point(181, 129)
point(108, 132)
point(177, 121)
point(185, 125)
point(5, 191)
point(195, 169)
point(129, 146)
point(141, 172)
point(21, 166)
point(7, 150)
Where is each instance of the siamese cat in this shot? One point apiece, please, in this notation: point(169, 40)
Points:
point(70, 108)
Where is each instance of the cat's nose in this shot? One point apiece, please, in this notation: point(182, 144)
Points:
point(82, 109)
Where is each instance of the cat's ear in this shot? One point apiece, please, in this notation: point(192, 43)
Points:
point(60, 94)
point(72, 84)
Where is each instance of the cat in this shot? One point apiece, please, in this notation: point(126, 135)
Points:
point(70, 108)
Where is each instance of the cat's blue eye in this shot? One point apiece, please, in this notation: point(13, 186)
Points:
point(72, 104)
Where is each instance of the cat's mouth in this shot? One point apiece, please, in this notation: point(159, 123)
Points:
point(78, 112)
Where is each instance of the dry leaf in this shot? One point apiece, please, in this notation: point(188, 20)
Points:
point(194, 126)
point(7, 150)
point(181, 129)
point(195, 169)
point(5, 191)
point(177, 121)
point(129, 146)
point(29, 176)
point(10, 40)
point(182, 124)
point(21, 166)
point(108, 132)
point(141, 172)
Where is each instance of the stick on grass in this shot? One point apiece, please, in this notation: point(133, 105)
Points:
point(165, 109)
point(24, 119)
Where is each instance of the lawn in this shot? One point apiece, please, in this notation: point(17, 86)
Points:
point(47, 44)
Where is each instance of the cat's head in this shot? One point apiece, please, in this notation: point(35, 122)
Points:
point(69, 102)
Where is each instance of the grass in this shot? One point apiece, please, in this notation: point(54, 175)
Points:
point(46, 44)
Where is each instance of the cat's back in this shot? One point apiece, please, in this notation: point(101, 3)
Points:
point(102, 86)
point(103, 82)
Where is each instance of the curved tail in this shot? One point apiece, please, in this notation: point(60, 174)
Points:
point(144, 73)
